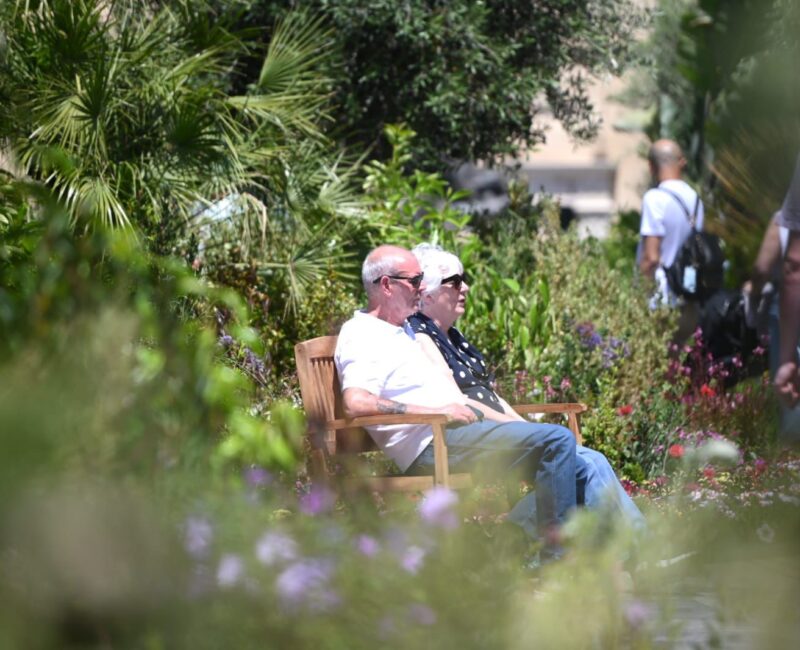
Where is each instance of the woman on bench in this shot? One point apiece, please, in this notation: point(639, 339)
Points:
point(442, 303)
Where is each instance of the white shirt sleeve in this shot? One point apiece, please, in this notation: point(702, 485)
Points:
point(358, 365)
point(653, 208)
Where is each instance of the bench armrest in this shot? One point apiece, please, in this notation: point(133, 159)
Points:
point(392, 418)
point(567, 407)
point(441, 471)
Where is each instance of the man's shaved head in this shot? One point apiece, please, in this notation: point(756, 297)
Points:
point(665, 153)
point(383, 260)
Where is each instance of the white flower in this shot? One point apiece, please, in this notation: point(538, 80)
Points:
point(230, 570)
point(718, 450)
point(765, 533)
point(273, 547)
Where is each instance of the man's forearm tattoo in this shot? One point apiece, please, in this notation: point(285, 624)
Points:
point(390, 406)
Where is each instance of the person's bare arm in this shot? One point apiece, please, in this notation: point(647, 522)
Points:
point(787, 381)
point(768, 259)
point(490, 414)
point(651, 255)
point(359, 402)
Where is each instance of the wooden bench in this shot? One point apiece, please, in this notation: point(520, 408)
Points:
point(334, 438)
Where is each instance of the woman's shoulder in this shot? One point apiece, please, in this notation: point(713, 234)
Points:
point(419, 322)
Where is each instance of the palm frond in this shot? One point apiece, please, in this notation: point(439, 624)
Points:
point(297, 48)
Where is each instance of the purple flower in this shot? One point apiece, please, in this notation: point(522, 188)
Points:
point(198, 536)
point(254, 363)
point(637, 614)
point(413, 558)
point(368, 545)
point(422, 614)
point(319, 500)
point(438, 508)
point(274, 547)
point(230, 570)
point(307, 584)
point(226, 340)
point(594, 341)
point(257, 477)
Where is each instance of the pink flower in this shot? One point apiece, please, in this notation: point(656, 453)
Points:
point(676, 451)
point(566, 383)
point(709, 473)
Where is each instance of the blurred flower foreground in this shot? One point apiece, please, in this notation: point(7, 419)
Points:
point(176, 212)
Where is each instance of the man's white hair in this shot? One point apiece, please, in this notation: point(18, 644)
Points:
point(437, 264)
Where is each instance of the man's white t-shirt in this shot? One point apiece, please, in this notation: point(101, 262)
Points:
point(663, 216)
point(389, 362)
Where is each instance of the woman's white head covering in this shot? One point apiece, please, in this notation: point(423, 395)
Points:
point(436, 264)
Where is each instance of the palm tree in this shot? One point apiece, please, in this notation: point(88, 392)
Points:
point(121, 108)
point(138, 106)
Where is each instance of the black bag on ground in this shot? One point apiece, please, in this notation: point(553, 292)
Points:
point(698, 270)
point(726, 335)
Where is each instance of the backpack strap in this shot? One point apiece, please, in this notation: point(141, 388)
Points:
point(692, 217)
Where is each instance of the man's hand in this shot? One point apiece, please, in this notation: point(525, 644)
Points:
point(457, 413)
point(787, 383)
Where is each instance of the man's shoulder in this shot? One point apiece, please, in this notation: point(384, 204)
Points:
point(655, 196)
point(654, 207)
point(364, 331)
point(680, 187)
point(355, 328)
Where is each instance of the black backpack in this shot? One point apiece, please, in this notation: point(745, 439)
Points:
point(726, 335)
point(698, 270)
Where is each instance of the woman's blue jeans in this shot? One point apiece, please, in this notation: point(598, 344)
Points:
point(540, 453)
point(597, 486)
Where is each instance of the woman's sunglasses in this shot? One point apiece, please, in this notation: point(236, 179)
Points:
point(456, 280)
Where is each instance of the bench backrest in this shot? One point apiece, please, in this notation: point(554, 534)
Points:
point(322, 398)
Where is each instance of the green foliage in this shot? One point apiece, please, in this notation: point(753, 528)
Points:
point(156, 390)
point(509, 321)
point(585, 290)
point(620, 245)
point(135, 99)
point(407, 209)
point(468, 77)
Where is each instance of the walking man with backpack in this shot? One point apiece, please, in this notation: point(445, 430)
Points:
point(671, 211)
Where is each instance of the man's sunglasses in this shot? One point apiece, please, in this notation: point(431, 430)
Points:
point(414, 280)
point(456, 280)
